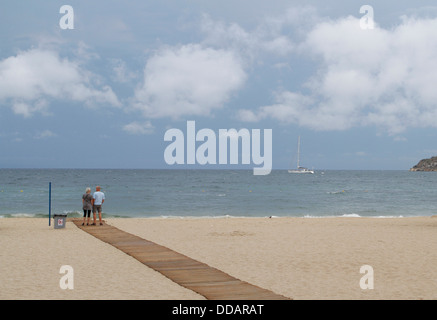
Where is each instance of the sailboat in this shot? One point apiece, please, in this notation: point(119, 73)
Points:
point(299, 169)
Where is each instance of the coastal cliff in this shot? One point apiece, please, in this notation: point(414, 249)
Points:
point(426, 165)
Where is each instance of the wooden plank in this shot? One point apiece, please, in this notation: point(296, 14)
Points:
point(189, 273)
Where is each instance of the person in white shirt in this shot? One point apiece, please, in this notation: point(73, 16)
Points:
point(97, 202)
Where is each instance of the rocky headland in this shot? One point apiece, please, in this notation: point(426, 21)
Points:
point(426, 165)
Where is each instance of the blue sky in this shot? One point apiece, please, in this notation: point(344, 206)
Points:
point(103, 94)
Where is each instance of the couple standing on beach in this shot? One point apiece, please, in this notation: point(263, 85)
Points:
point(92, 202)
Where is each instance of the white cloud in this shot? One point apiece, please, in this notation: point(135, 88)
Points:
point(121, 72)
point(45, 134)
point(26, 109)
point(188, 80)
point(266, 38)
point(31, 78)
point(248, 115)
point(379, 77)
point(139, 128)
point(197, 79)
point(282, 111)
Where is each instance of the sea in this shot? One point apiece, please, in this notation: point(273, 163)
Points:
point(176, 193)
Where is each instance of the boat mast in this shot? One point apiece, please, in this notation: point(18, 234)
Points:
point(298, 151)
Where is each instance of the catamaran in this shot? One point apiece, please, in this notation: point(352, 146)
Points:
point(299, 169)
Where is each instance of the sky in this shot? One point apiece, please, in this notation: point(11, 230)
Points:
point(99, 85)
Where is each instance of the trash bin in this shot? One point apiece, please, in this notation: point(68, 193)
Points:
point(60, 220)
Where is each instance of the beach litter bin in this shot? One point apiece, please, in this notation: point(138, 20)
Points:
point(60, 220)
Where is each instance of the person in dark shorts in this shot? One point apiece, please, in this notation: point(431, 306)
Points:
point(86, 205)
point(97, 202)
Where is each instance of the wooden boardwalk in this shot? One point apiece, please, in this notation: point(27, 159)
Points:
point(209, 282)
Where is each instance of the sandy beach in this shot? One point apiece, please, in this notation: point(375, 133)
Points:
point(301, 258)
point(32, 254)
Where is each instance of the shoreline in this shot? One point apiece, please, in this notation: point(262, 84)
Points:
point(313, 259)
point(77, 215)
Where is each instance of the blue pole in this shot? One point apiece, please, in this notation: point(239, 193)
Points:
point(50, 201)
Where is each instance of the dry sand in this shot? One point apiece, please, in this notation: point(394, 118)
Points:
point(309, 258)
point(301, 258)
point(32, 253)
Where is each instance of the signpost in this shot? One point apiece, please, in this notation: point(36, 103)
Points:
point(50, 201)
